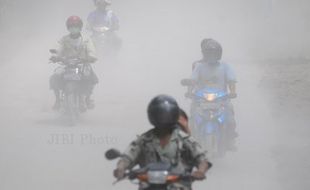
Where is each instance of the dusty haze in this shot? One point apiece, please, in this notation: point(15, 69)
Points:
point(266, 41)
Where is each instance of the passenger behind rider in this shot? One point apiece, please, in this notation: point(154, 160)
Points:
point(183, 121)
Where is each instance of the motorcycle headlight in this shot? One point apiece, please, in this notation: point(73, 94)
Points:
point(210, 97)
point(157, 177)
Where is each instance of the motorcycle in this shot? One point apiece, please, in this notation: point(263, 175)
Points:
point(154, 176)
point(70, 92)
point(209, 117)
point(106, 41)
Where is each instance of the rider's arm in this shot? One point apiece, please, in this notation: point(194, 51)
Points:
point(232, 87)
point(194, 77)
point(198, 155)
point(128, 159)
point(231, 79)
point(194, 65)
point(131, 154)
point(59, 53)
point(196, 72)
point(61, 47)
point(91, 52)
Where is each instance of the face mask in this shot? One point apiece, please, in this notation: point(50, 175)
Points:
point(74, 30)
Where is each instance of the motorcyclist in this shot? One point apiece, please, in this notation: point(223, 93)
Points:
point(103, 16)
point(164, 143)
point(75, 45)
point(210, 71)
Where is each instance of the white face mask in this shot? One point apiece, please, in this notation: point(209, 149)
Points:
point(74, 30)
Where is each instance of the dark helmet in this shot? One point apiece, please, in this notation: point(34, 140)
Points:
point(211, 49)
point(163, 111)
point(74, 21)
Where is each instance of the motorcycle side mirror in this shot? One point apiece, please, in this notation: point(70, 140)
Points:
point(112, 154)
point(54, 51)
point(187, 82)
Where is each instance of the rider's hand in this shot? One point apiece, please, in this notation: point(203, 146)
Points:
point(54, 59)
point(119, 173)
point(198, 175)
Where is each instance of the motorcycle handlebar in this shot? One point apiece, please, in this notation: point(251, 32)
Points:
point(69, 62)
point(188, 82)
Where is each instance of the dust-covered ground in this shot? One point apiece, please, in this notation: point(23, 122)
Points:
point(160, 41)
point(289, 81)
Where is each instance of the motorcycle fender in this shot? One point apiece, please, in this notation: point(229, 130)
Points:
point(211, 127)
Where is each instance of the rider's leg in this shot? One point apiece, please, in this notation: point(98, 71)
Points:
point(90, 85)
point(55, 86)
point(89, 102)
point(231, 128)
point(57, 99)
point(82, 96)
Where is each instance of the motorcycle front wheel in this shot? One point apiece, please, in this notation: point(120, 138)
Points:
point(72, 104)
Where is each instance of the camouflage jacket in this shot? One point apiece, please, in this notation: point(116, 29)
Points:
point(182, 151)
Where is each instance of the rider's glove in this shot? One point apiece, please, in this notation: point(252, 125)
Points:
point(54, 59)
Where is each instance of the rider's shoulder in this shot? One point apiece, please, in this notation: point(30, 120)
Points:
point(226, 65)
point(65, 38)
point(200, 61)
point(197, 64)
point(146, 136)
